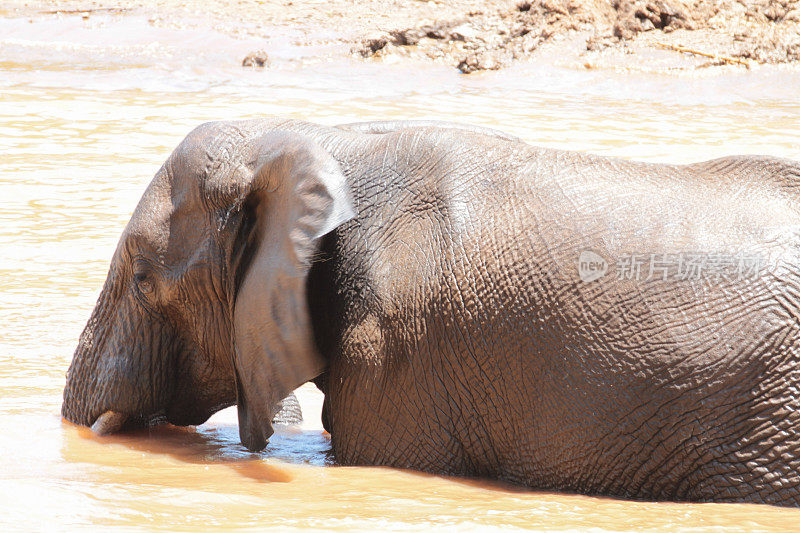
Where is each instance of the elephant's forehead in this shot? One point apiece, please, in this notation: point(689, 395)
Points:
point(169, 225)
point(153, 213)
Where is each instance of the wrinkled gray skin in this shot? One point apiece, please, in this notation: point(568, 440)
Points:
point(426, 278)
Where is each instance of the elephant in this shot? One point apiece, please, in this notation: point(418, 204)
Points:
point(468, 304)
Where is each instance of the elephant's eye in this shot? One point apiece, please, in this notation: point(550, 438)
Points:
point(143, 282)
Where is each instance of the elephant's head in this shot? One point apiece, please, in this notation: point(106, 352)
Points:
point(204, 305)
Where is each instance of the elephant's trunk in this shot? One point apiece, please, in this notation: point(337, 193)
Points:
point(92, 395)
point(81, 393)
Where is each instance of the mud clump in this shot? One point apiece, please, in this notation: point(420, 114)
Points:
point(259, 59)
point(762, 31)
point(408, 37)
point(637, 17)
point(486, 60)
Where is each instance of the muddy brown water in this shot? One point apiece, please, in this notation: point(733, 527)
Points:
point(88, 112)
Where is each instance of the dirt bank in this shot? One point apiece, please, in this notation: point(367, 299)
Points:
point(474, 35)
point(737, 32)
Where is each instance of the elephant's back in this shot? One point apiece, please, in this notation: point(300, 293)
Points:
point(485, 258)
point(498, 225)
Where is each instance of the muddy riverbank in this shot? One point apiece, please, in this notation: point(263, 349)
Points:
point(474, 35)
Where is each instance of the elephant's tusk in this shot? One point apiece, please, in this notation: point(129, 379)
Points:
point(108, 423)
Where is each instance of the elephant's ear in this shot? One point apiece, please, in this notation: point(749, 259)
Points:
point(297, 193)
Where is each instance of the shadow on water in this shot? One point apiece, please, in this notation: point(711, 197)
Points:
point(218, 445)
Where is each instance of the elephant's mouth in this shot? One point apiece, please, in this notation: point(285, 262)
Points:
point(112, 422)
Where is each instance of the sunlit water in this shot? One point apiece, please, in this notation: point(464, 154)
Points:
point(89, 110)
